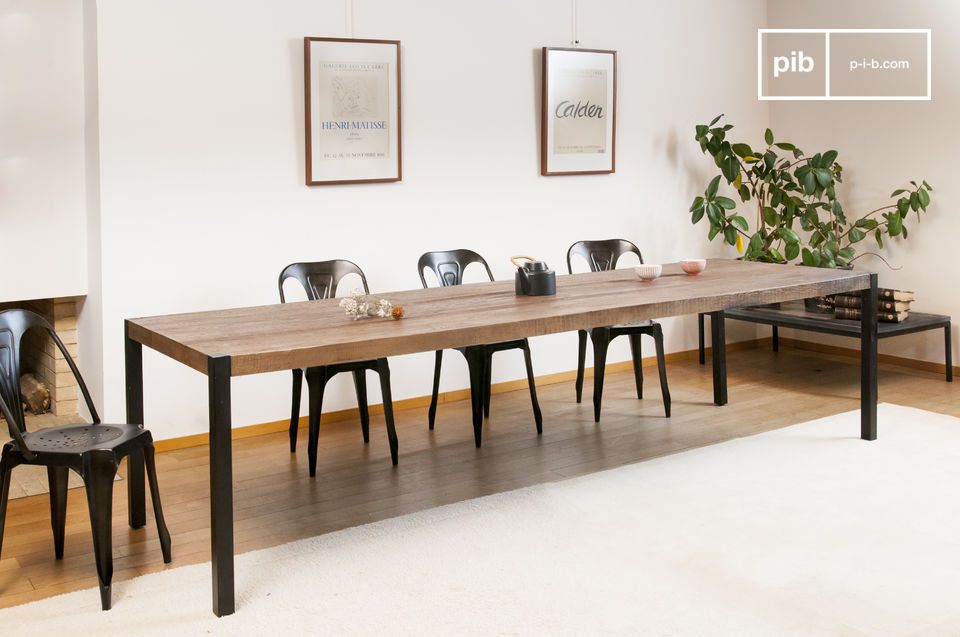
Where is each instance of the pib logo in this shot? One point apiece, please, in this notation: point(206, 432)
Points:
point(796, 62)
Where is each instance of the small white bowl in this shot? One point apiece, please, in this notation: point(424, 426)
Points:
point(693, 266)
point(648, 272)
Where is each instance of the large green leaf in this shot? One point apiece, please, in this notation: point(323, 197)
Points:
point(924, 198)
point(792, 251)
point(712, 188)
point(730, 235)
point(785, 146)
point(828, 158)
point(743, 150)
point(856, 235)
point(740, 222)
point(809, 257)
point(788, 235)
point(824, 176)
point(713, 212)
point(697, 215)
point(809, 183)
point(725, 202)
point(768, 136)
point(716, 119)
point(770, 216)
point(894, 224)
point(697, 203)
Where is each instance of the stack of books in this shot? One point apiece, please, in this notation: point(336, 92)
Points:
point(893, 306)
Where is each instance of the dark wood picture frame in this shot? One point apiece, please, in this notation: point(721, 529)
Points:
point(544, 91)
point(308, 124)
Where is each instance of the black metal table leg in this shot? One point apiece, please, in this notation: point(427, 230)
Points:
point(776, 338)
point(136, 485)
point(700, 344)
point(948, 351)
point(718, 343)
point(221, 485)
point(868, 361)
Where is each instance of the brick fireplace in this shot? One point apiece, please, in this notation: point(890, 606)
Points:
point(40, 356)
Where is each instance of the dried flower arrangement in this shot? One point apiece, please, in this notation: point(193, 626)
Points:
point(361, 305)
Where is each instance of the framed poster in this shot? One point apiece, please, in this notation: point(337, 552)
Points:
point(578, 118)
point(352, 99)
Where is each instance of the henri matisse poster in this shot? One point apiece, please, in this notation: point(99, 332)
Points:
point(578, 116)
point(352, 90)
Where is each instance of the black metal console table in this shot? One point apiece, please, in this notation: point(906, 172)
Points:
point(792, 314)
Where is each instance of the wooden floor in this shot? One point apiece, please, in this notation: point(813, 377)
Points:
point(277, 502)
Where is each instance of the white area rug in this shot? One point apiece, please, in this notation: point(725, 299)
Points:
point(802, 531)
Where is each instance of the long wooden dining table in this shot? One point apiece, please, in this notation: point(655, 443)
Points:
point(252, 340)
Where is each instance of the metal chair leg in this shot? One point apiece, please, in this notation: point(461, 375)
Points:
point(5, 468)
point(383, 369)
point(295, 408)
point(581, 361)
point(636, 352)
point(662, 368)
point(360, 383)
point(162, 531)
point(57, 480)
point(475, 364)
point(98, 473)
point(432, 413)
point(601, 339)
point(532, 383)
point(316, 382)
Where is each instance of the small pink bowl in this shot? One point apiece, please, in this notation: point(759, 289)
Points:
point(693, 266)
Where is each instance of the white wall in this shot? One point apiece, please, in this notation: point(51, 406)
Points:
point(42, 223)
point(883, 145)
point(202, 199)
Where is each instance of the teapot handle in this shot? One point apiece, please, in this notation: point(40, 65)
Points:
point(514, 260)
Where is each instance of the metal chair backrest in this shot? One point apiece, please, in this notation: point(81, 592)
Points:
point(13, 325)
point(601, 255)
point(449, 265)
point(321, 278)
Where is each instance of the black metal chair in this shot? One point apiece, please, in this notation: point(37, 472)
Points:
point(448, 266)
point(601, 256)
point(320, 280)
point(94, 451)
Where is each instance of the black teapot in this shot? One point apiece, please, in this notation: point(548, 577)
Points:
point(534, 278)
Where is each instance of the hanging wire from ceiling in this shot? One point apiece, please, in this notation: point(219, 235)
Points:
point(574, 40)
point(348, 13)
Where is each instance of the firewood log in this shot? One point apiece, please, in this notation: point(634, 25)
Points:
point(34, 394)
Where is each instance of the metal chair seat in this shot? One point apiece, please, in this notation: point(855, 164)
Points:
point(81, 438)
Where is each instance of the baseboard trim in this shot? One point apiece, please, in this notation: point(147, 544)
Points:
point(331, 417)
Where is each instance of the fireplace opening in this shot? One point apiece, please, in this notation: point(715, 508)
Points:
point(43, 367)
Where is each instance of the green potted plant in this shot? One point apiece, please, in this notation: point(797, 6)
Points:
point(795, 209)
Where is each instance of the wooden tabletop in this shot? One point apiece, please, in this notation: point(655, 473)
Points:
point(309, 333)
